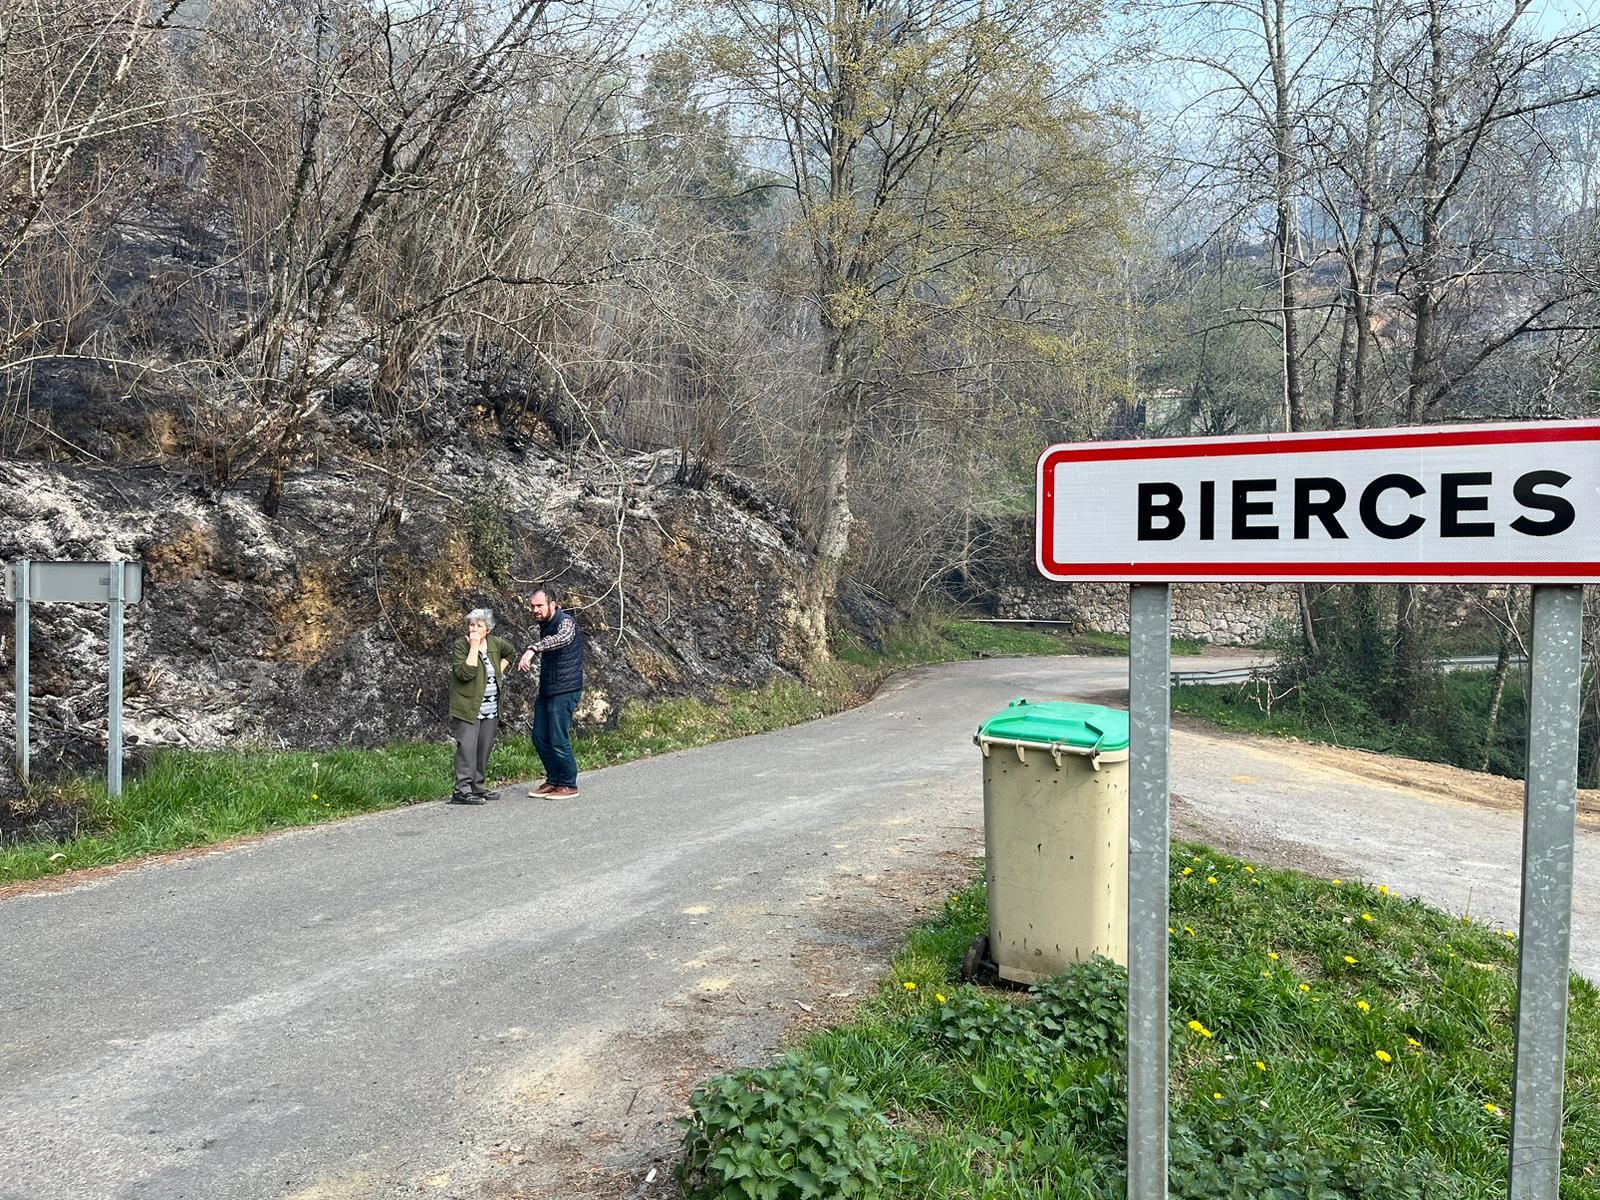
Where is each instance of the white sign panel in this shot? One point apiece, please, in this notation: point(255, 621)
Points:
point(1463, 503)
point(76, 582)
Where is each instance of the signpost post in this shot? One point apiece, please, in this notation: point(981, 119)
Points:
point(20, 595)
point(1504, 503)
point(115, 584)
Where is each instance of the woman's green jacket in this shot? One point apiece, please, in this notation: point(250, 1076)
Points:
point(467, 683)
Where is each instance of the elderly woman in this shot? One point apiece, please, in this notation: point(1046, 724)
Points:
point(478, 668)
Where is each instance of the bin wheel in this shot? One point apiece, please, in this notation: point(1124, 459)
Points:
point(975, 962)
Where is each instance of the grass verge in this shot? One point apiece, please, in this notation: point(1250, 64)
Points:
point(186, 799)
point(1330, 1040)
point(190, 798)
point(1450, 725)
point(942, 638)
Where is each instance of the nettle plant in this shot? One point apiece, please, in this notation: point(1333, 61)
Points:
point(1240, 1154)
point(796, 1131)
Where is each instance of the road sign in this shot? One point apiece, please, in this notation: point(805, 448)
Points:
point(1509, 503)
point(1466, 503)
point(114, 584)
point(75, 582)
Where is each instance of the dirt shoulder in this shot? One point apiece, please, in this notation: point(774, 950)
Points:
point(1439, 779)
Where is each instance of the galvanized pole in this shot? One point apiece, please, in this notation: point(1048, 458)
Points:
point(115, 583)
point(1548, 832)
point(20, 581)
point(1149, 828)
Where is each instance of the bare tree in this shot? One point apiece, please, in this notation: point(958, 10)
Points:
point(877, 112)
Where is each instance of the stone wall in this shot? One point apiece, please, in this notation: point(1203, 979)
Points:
point(1223, 614)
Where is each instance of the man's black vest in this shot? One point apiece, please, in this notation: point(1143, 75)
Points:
point(561, 670)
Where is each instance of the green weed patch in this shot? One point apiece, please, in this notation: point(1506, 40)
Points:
point(1329, 1041)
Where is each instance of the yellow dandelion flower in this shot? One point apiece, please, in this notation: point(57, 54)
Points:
point(1212, 880)
point(1366, 916)
point(1189, 929)
point(1216, 1095)
point(1273, 955)
point(1188, 870)
point(909, 986)
point(1383, 889)
point(1509, 934)
point(1194, 858)
point(939, 996)
point(1413, 1042)
point(1338, 882)
point(1492, 1108)
point(1349, 960)
point(1382, 1056)
point(1305, 987)
point(1260, 1066)
point(1249, 870)
point(1266, 974)
point(313, 795)
point(1363, 1006)
point(1170, 929)
point(1200, 1029)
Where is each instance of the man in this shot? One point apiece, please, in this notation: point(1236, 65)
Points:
point(560, 647)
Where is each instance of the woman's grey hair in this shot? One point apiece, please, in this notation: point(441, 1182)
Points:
point(486, 615)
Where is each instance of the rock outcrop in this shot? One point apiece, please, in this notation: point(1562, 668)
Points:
point(330, 624)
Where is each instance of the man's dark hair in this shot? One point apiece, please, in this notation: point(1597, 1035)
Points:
point(549, 590)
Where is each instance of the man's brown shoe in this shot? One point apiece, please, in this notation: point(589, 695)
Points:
point(542, 790)
point(561, 793)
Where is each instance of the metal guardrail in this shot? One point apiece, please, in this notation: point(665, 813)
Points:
point(1260, 670)
point(1231, 675)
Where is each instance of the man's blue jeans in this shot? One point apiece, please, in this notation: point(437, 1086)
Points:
point(552, 737)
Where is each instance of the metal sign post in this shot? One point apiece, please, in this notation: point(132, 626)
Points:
point(114, 681)
point(115, 584)
point(1507, 503)
point(1149, 839)
point(20, 591)
point(1549, 828)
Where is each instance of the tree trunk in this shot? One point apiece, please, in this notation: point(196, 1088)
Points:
point(1349, 389)
point(833, 541)
point(1424, 352)
point(1407, 653)
point(1283, 138)
point(1344, 364)
point(1502, 668)
point(1308, 623)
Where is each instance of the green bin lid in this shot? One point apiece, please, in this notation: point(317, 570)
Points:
point(1087, 728)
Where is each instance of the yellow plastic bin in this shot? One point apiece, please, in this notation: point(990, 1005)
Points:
point(1055, 825)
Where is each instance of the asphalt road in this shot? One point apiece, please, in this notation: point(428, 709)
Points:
point(507, 1000)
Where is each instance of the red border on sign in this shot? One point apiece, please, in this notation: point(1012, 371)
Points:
point(1302, 443)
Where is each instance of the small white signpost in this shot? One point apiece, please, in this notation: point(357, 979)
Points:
point(115, 584)
point(1506, 503)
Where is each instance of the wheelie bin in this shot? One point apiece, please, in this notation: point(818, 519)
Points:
point(1055, 823)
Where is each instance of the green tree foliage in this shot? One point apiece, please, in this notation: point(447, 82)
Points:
point(935, 154)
